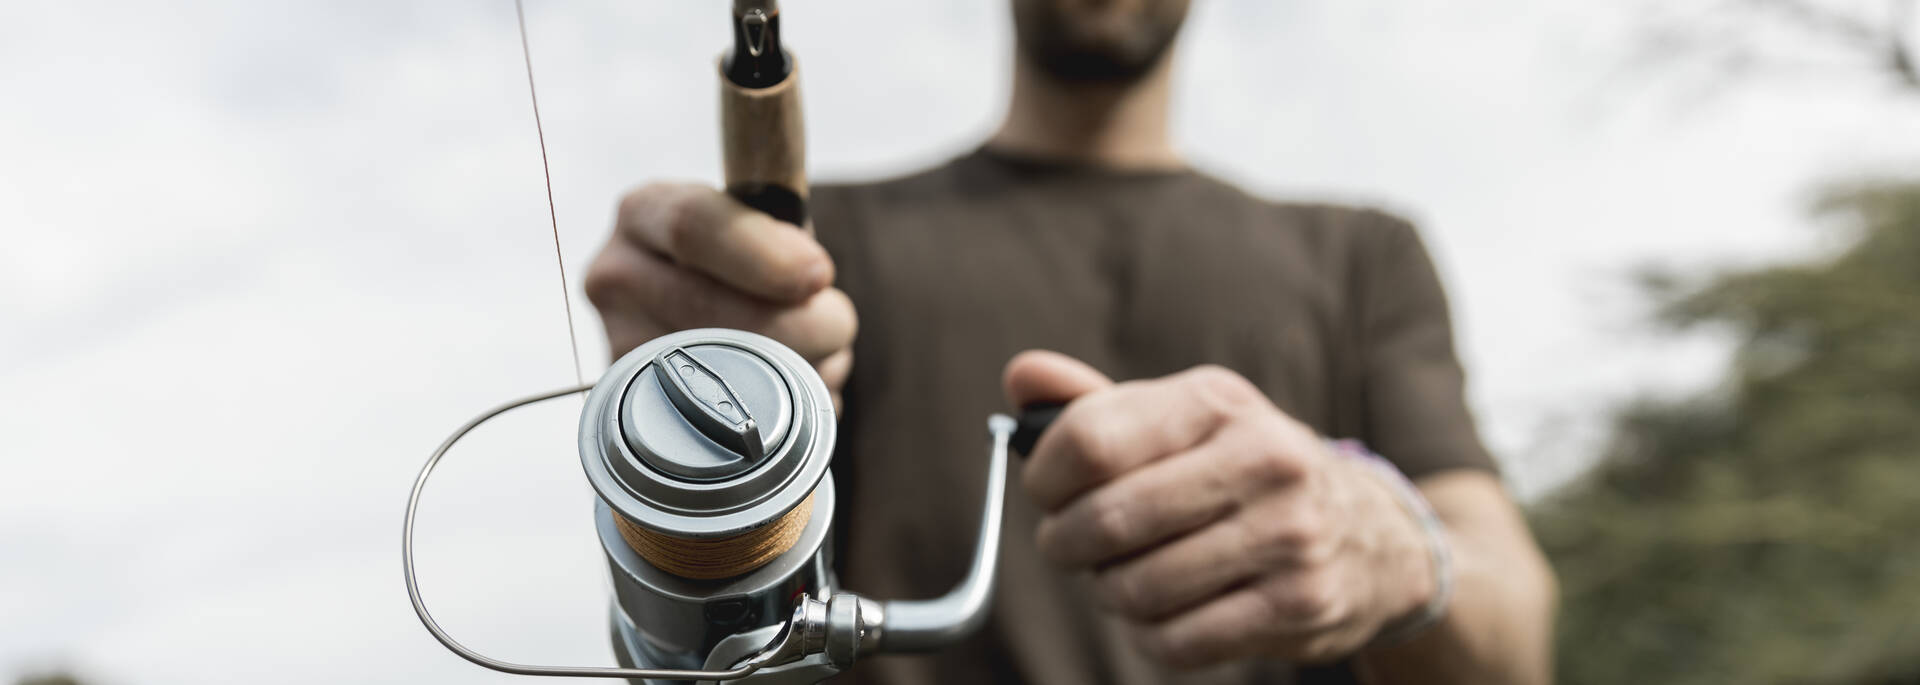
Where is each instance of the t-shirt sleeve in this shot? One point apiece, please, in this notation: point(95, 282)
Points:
point(1412, 385)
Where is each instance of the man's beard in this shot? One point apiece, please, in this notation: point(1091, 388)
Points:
point(1070, 49)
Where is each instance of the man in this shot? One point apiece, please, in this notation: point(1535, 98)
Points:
point(1189, 526)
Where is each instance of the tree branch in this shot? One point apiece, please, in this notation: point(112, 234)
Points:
point(1723, 34)
point(1900, 44)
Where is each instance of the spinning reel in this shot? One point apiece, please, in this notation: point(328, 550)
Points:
point(709, 451)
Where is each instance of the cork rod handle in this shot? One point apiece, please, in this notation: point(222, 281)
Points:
point(763, 145)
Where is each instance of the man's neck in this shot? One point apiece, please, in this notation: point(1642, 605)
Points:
point(1118, 126)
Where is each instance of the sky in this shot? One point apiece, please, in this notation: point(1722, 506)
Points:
point(260, 258)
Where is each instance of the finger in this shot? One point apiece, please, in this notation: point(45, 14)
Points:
point(716, 235)
point(610, 286)
point(1045, 376)
point(1144, 507)
point(1179, 575)
point(1216, 631)
point(1290, 615)
point(680, 298)
point(1109, 433)
point(626, 332)
point(834, 371)
point(835, 368)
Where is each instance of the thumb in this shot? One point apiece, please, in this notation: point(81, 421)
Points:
point(1044, 376)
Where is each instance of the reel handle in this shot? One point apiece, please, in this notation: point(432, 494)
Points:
point(920, 625)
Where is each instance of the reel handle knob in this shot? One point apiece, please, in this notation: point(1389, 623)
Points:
point(1034, 419)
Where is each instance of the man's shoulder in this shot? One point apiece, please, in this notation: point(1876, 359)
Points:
point(1347, 226)
point(1354, 219)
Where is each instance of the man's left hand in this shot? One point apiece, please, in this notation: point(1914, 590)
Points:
point(1218, 525)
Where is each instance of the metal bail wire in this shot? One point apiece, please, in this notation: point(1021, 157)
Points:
point(780, 649)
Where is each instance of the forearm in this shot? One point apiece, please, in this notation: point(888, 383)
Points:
point(1499, 625)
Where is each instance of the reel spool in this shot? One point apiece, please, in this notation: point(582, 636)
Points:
point(709, 450)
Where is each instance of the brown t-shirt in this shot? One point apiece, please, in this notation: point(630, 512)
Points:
point(1334, 312)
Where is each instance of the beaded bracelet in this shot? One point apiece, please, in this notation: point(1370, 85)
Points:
point(1438, 550)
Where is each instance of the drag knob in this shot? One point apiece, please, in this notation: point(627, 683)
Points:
point(708, 403)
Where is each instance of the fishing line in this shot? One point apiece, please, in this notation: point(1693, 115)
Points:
point(553, 217)
point(714, 558)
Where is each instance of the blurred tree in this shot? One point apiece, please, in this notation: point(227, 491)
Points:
point(1811, 38)
point(1767, 531)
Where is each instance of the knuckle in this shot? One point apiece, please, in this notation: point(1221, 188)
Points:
point(1222, 388)
point(646, 204)
point(1269, 464)
point(1307, 599)
point(663, 216)
point(606, 278)
point(1312, 550)
point(634, 204)
point(1122, 590)
point(1092, 445)
point(1285, 541)
point(1112, 526)
point(679, 224)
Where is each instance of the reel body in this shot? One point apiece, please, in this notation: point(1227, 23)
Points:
point(709, 450)
point(659, 620)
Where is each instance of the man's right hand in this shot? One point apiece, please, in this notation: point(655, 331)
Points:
point(688, 256)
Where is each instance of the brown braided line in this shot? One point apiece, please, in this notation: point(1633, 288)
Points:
point(712, 558)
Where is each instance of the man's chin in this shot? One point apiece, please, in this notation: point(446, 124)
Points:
point(1091, 68)
point(1096, 66)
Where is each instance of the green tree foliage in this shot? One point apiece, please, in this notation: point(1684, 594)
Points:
point(1767, 531)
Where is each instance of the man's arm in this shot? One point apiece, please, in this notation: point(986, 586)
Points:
point(1499, 628)
point(1500, 624)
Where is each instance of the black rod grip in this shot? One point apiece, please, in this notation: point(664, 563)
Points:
point(1032, 421)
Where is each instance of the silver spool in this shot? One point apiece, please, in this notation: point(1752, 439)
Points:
point(739, 434)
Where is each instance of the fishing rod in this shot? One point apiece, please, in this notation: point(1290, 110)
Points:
point(709, 453)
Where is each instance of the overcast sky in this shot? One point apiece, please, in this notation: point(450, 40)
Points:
point(260, 258)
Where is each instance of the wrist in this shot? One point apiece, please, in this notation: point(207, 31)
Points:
point(1420, 597)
